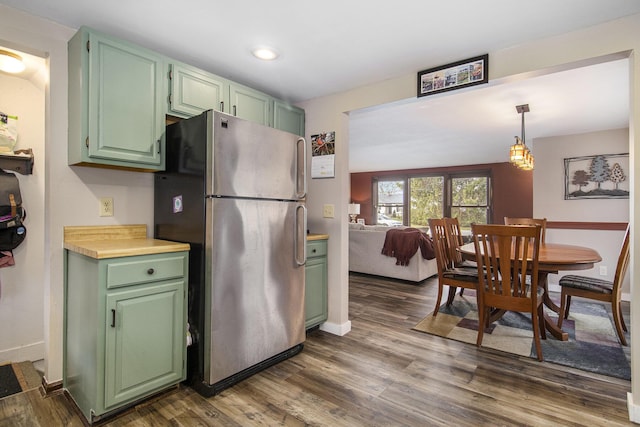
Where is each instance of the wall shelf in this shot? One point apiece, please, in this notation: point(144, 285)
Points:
point(21, 162)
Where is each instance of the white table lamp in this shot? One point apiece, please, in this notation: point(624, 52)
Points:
point(354, 211)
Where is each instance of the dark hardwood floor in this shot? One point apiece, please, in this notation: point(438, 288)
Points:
point(380, 374)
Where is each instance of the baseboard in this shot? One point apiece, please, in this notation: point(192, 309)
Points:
point(336, 328)
point(50, 387)
point(634, 410)
point(30, 352)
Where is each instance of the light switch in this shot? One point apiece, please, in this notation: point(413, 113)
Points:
point(328, 211)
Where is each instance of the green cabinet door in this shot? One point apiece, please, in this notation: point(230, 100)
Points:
point(250, 104)
point(145, 337)
point(315, 297)
point(193, 91)
point(116, 103)
point(288, 117)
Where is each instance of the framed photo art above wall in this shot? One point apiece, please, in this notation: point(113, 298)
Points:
point(468, 72)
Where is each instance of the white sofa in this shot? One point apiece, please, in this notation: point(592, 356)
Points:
point(365, 256)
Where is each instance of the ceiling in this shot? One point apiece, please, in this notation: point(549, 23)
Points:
point(334, 45)
point(478, 125)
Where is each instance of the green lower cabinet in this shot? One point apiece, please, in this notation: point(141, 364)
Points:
point(315, 298)
point(145, 341)
point(124, 329)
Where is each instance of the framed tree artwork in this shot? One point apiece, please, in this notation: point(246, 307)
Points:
point(604, 176)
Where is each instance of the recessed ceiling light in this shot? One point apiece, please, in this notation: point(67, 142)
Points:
point(10, 62)
point(265, 53)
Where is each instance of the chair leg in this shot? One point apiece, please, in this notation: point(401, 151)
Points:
point(563, 307)
point(617, 315)
point(452, 294)
point(483, 315)
point(536, 333)
point(566, 313)
point(438, 299)
point(462, 292)
point(624, 326)
point(543, 330)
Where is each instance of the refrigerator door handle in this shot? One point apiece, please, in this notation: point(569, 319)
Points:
point(301, 235)
point(301, 168)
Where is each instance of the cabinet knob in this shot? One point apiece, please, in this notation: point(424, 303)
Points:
point(150, 271)
point(313, 250)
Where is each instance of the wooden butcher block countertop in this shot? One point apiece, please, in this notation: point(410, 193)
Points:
point(313, 236)
point(113, 241)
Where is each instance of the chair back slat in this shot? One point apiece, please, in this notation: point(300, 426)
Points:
point(454, 239)
point(439, 237)
point(542, 222)
point(505, 277)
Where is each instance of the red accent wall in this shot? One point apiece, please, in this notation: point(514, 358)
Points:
point(512, 188)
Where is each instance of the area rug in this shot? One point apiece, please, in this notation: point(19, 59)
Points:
point(593, 345)
point(17, 377)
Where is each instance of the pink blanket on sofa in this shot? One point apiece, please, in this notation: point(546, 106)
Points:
point(403, 243)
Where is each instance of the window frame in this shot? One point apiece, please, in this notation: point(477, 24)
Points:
point(376, 204)
point(447, 202)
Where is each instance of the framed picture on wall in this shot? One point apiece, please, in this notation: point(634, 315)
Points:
point(604, 176)
point(468, 72)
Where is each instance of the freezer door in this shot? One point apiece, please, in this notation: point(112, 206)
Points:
point(255, 283)
point(255, 161)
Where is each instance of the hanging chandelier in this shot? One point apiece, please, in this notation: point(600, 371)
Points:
point(519, 154)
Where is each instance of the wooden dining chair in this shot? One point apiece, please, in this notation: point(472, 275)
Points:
point(448, 274)
point(503, 284)
point(598, 289)
point(454, 241)
point(542, 222)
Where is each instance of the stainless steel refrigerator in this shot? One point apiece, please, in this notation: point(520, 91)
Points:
point(235, 190)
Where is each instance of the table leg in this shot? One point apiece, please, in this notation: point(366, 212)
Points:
point(552, 326)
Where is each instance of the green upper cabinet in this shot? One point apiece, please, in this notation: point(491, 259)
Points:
point(193, 91)
point(249, 104)
point(288, 117)
point(117, 110)
point(120, 95)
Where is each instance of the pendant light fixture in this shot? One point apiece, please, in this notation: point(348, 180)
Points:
point(519, 154)
point(10, 62)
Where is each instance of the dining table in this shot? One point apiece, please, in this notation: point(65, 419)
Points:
point(553, 258)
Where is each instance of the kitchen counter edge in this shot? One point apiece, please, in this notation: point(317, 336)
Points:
point(116, 241)
point(313, 236)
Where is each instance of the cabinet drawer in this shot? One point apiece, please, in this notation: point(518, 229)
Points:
point(144, 269)
point(316, 248)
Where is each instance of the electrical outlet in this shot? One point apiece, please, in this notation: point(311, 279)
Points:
point(603, 270)
point(328, 211)
point(106, 206)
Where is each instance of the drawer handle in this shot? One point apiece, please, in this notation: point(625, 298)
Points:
point(150, 271)
point(113, 318)
point(313, 250)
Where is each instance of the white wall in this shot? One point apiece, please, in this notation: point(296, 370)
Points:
point(70, 193)
point(539, 57)
point(21, 286)
point(548, 176)
point(549, 202)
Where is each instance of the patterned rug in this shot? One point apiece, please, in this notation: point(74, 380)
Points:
point(592, 346)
